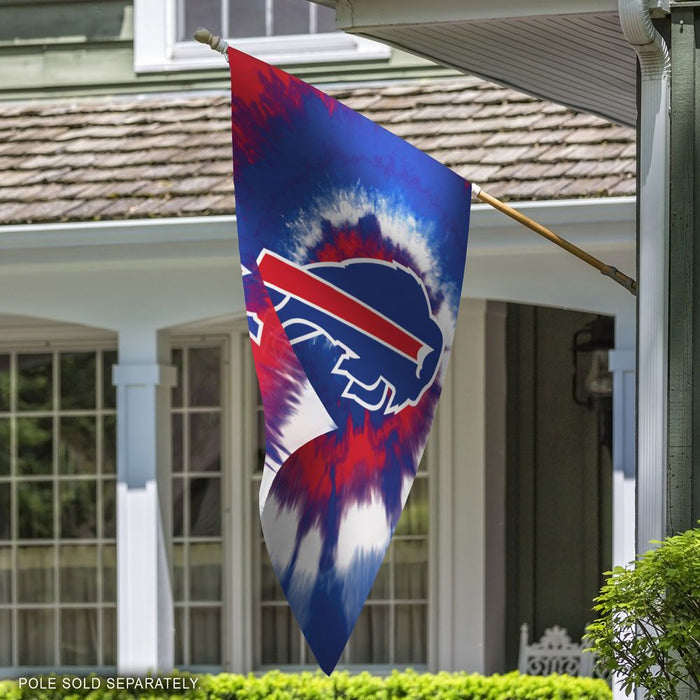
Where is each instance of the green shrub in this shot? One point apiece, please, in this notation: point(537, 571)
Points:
point(648, 626)
point(340, 686)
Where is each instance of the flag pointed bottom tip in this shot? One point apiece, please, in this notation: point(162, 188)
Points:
point(327, 649)
point(327, 631)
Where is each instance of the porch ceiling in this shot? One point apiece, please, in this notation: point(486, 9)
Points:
point(565, 51)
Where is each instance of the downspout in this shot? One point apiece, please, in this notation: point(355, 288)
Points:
point(652, 305)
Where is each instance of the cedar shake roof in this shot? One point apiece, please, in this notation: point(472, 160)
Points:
point(162, 156)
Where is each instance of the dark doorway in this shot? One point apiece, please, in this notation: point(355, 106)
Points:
point(558, 479)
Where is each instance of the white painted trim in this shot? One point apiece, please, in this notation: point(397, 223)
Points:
point(652, 335)
point(355, 14)
point(622, 363)
point(145, 622)
point(155, 48)
point(552, 211)
point(145, 375)
point(38, 333)
point(460, 485)
point(238, 643)
point(199, 229)
point(217, 228)
point(213, 236)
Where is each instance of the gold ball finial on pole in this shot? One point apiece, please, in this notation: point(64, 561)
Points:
point(204, 36)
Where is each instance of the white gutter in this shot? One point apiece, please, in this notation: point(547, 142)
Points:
point(179, 229)
point(652, 308)
point(586, 214)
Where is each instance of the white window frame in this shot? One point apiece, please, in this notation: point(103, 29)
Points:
point(156, 48)
point(220, 340)
point(55, 340)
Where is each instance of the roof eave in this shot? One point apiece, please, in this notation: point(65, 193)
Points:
point(568, 51)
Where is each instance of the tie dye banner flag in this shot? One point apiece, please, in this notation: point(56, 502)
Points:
point(352, 246)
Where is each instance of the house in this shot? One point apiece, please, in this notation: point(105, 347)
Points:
point(130, 423)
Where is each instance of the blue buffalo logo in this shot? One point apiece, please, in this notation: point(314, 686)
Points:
point(377, 313)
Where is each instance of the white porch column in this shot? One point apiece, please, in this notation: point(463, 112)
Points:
point(460, 546)
point(623, 367)
point(144, 590)
point(622, 363)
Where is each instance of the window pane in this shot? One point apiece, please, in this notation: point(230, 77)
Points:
point(5, 638)
point(290, 17)
point(177, 438)
point(381, 588)
point(178, 507)
point(246, 18)
point(109, 509)
point(411, 634)
point(34, 382)
point(109, 445)
point(270, 588)
point(34, 446)
point(205, 442)
point(78, 573)
point(5, 446)
point(205, 512)
point(325, 19)
point(35, 569)
point(4, 382)
point(280, 636)
point(36, 634)
point(5, 512)
point(205, 571)
point(178, 572)
point(414, 519)
point(180, 636)
point(109, 573)
point(205, 636)
point(176, 359)
point(78, 637)
point(77, 445)
point(35, 506)
point(369, 643)
point(109, 636)
point(201, 13)
point(411, 569)
point(78, 509)
point(109, 391)
point(77, 380)
point(204, 376)
point(5, 575)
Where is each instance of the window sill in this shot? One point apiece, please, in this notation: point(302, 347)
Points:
point(280, 51)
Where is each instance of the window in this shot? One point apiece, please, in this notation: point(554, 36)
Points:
point(197, 419)
point(240, 19)
point(392, 629)
point(57, 508)
point(282, 32)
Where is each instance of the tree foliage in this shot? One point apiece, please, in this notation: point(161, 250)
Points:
point(648, 626)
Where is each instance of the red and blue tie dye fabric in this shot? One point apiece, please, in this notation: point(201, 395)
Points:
point(352, 246)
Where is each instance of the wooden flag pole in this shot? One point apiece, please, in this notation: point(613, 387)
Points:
point(608, 270)
point(204, 36)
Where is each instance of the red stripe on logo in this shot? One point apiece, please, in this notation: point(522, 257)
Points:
point(303, 284)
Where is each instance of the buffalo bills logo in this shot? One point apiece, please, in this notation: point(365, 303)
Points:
point(377, 313)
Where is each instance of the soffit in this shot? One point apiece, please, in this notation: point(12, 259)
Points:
point(554, 51)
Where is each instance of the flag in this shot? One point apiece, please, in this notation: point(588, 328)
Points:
point(352, 246)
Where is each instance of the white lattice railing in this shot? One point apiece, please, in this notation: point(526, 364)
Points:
point(556, 653)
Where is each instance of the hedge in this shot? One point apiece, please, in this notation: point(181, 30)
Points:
point(316, 686)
